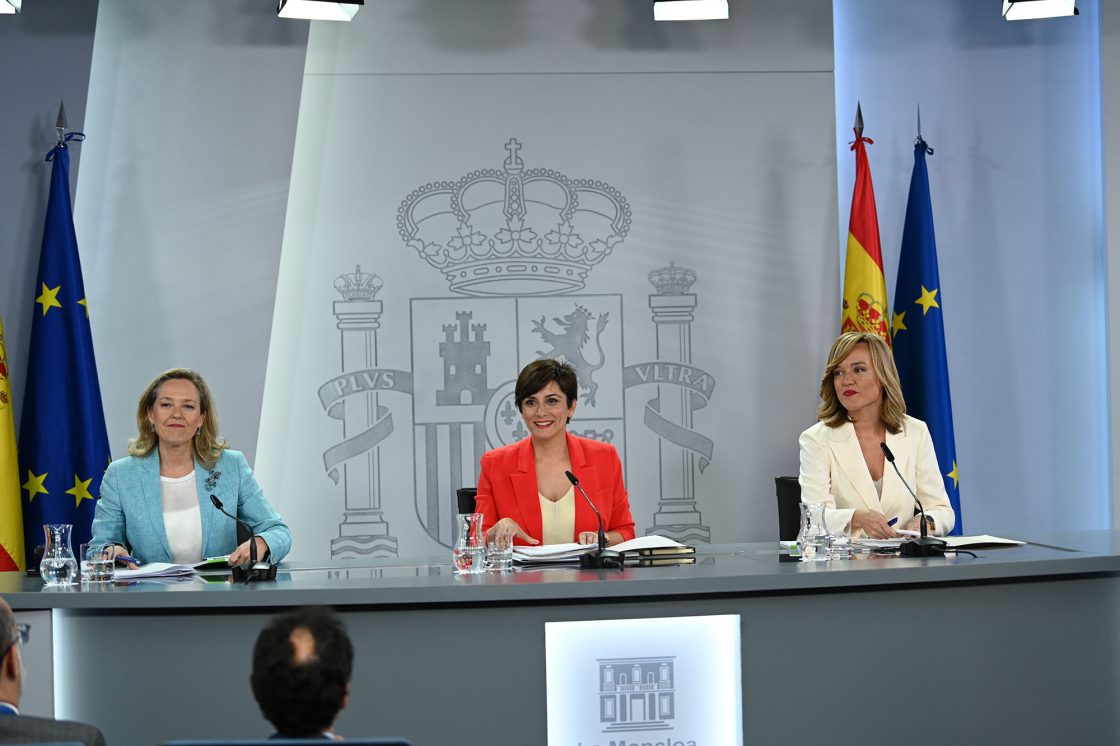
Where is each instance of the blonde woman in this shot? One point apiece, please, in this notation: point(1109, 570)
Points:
point(842, 461)
point(155, 503)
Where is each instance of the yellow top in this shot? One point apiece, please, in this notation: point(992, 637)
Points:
point(558, 519)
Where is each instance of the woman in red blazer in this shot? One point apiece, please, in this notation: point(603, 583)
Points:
point(523, 491)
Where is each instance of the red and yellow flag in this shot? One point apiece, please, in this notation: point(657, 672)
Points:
point(11, 514)
point(865, 287)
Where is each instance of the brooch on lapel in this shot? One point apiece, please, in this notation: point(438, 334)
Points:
point(212, 480)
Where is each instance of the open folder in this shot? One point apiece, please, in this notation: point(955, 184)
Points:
point(208, 566)
point(640, 547)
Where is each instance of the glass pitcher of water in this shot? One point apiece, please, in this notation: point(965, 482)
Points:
point(813, 540)
point(469, 553)
point(59, 566)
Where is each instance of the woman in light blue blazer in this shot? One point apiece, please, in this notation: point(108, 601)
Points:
point(156, 503)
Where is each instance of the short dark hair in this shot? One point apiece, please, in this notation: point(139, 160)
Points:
point(539, 373)
point(302, 698)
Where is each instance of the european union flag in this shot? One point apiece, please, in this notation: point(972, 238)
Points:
point(919, 330)
point(63, 443)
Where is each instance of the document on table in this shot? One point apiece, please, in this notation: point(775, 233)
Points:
point(652, 545)
point(980, 541)
point(154, 570)
point(545, 554)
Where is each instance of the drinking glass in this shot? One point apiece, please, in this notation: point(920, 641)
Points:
point(499, 553)
point(469, 550)
point(97, 562)
point(58, 567)
point(839, 534)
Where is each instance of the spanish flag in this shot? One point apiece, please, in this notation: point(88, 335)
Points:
point(865, 287)
point(11, 514)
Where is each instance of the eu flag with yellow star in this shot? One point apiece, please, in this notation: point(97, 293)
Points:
point(63, 443)
point(919, 330)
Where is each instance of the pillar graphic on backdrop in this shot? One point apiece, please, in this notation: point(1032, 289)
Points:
point(681, 390)
point(354, 398)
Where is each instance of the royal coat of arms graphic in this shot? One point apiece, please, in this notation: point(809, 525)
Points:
point(515, 246)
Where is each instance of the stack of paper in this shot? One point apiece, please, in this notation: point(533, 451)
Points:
point(550, 554)
point(653, 546)
point(154, 570)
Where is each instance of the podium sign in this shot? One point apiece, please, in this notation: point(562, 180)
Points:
point(672, 682)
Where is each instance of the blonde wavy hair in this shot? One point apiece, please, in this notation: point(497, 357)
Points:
point(892, 407)
point(207, 444)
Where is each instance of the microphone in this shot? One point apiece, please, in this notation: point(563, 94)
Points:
point(924, 545)
point(241, 574)
point(602, 557)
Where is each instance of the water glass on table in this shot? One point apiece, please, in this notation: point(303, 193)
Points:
point(839, 535)
point(97, 562)
point(499, 553)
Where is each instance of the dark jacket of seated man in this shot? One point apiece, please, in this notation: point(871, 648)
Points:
point(16, 728)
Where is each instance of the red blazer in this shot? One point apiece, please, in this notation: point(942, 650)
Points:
point(507, 487)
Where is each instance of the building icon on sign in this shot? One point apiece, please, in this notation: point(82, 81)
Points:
point(636, 694)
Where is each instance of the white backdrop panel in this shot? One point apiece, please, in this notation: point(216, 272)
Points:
point(729, 175)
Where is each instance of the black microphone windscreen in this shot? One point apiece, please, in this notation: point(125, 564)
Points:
point(571, 477)
point(217, 503)
point(887, 452)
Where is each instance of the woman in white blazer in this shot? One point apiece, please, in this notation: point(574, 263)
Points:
point(842, 461)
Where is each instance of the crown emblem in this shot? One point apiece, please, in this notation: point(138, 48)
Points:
point(869, 317)
point(514, 231)
point(672, 280)
point(359, 285)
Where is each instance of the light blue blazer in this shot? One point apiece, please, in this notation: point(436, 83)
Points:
point(130, 511)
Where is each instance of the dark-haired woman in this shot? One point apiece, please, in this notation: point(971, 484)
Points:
point(523, 491)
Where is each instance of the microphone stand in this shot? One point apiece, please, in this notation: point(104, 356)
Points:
point(250, 574)
point(924, 545)
point(602, 558)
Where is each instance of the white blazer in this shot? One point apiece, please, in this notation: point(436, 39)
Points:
point(833, 472)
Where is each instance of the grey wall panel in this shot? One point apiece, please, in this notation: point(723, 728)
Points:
point(590, 36)
point(45, 55)
point(727, 174)
point(1013, 112)
point(1110, 136)
point(191, 119)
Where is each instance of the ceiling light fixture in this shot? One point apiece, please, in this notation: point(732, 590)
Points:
point(10, 7)
point(690, 10)
point(1025, 10)
point(319, 10)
